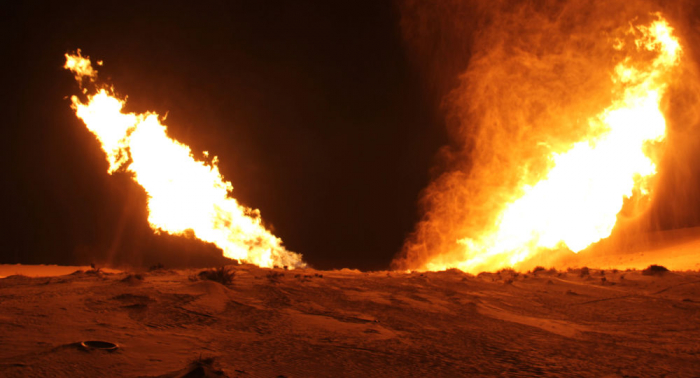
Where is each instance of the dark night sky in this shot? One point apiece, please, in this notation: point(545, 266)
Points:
point(317, 114)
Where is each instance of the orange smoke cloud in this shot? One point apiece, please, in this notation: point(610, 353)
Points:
point(185, 195)
point(557, 125)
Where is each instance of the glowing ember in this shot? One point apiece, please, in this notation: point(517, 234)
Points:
point(578, 198)
point(183, 193)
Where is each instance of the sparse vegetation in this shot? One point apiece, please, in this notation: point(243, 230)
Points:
point(222, 275)
point(581, 272)
point(94, 271)
point(301, 277)
point(538, 269)
point(274, 277)
point(653, 270)
point(202, 367)
point(209, 361)
point(158, 266)
point(133, 278)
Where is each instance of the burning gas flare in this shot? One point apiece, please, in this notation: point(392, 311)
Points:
point(583, 187)
point(184, 195)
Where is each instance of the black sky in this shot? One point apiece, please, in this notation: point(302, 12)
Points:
point(313, 107)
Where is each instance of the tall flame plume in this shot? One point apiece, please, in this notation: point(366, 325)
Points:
point(185, 195)
point(573, 198)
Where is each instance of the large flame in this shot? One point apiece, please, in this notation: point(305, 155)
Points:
point(184, 195)
point(583, 186)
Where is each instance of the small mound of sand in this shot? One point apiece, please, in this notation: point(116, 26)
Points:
point(133, 279)
point(212, 296)
point(654, 270)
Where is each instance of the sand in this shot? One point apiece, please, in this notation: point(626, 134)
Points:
point(44, 270)
point(307, 323)
point(674, 249)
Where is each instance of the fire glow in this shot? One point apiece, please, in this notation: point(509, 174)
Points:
point(184, 195)
point(580, 194)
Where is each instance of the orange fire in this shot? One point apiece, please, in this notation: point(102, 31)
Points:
point(185, 195)
point(580, 192)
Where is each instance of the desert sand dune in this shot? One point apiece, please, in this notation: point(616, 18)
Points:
point(307, 323)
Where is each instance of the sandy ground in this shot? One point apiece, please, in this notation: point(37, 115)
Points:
point(44, 270)
point(674, 249)
point(306, 323)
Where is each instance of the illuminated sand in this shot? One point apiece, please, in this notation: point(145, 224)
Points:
point(674, 249)
point(43, 270)
point(348, 323)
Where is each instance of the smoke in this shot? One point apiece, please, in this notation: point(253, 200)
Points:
point(520, 80)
